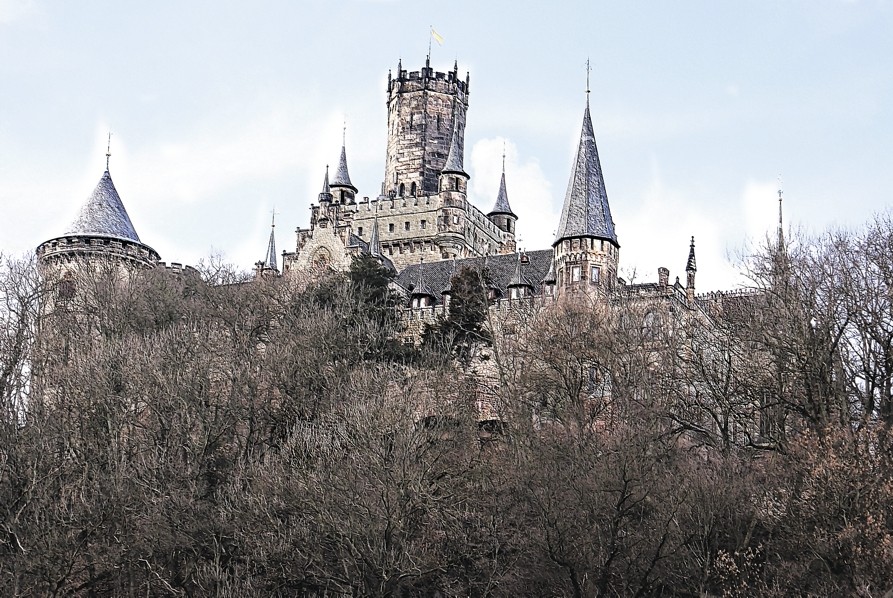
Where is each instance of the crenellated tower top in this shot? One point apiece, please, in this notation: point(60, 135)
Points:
point(425, 107)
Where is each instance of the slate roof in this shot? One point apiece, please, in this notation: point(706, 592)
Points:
point(454, 157)
point(271, 250)
point(104, 215)
point(436, 275)
point(586, 212)
point(326, 193)
point(342, 178)
point(502, 200)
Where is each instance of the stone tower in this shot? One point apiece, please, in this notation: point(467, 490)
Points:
point(586, 248)
point(424, 108)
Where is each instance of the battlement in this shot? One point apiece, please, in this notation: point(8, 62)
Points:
point(428, 78)
point(177, 268)
point(83, 246)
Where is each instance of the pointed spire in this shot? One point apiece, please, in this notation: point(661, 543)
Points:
point(270, 262)
point(374, 239)
point(454, 157)
point(586, 212)
point(502, 198)
point(342, 178)
point(326, 193)
point(518, 279)
point(549, 278)
point(691, 264)
point(103, 214)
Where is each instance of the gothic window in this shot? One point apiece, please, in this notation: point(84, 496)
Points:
point(402, 190)
point(412, 189)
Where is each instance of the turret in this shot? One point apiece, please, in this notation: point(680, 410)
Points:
point(102, 230)
point(341, 188)
point(502, 215)
point(586, 247)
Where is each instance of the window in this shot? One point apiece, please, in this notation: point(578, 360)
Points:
point(595, 274)
point(575, 273)
point(423, 224)
point(455, 219)
point(406, 226)
point(412, 189)
point(359, 231)
point(391, 227)
point(402, 190)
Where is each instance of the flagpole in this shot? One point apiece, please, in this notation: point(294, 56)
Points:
point(430, 37)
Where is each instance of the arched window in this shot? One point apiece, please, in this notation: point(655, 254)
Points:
point(412, 189)
point(402, 190)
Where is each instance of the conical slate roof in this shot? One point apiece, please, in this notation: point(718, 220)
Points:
point(271, 249)
point(104, 214)
point(518, 278)
point(691, 265)
point(454, 157)
point(342, 177)
point(326, 193)
point(586, 212)
point(502, 200)
point(375, 240)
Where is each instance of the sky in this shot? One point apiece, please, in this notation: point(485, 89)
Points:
point(222, 112)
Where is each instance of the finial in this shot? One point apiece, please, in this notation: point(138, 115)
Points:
point(503, 156)
point(108, 152)
point(344, 133)
point(779, 204)
point(273, 223)
point(588, 70)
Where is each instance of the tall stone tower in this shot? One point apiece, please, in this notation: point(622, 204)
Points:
point(424, 108)
point(586, 247)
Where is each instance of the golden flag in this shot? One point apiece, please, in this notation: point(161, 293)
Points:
point(437, 37)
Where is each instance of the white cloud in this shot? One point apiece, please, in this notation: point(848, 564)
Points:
point(529, 193)
point(13, 10)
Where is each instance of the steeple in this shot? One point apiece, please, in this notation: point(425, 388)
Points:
point(342, 177)
point(690, 269)
point(691, 264)
point(271, 247)
point(586, 212)
point(326, 193)
point(374, 239)
point(502, 198)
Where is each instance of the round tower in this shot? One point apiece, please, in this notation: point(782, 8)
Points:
point(586, 248)
point(102, 230)
point(424, 108)
point(453, 190)
point(502, 215)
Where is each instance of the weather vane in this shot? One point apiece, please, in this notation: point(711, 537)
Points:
point(108, 152)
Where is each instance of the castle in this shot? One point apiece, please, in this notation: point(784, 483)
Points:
point(421, 224)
